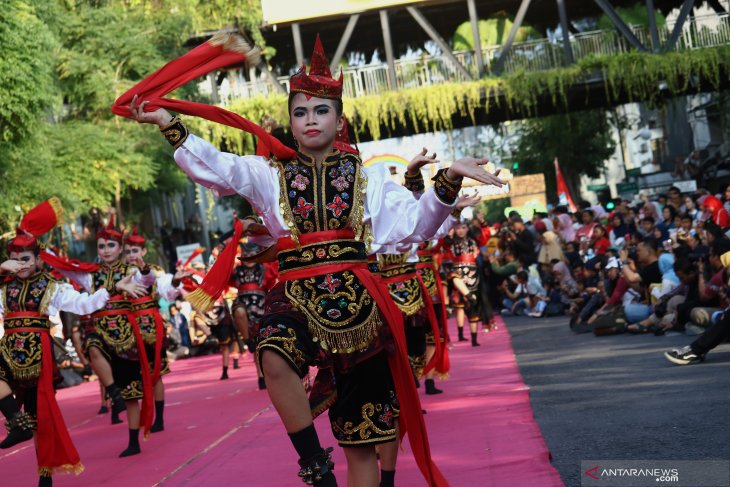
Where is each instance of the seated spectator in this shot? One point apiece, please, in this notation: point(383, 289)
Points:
point(550, 248)
point(599, 242)
point(585, 232)
point(619, 230)
point(717, 213)
point(563, 224)
point(717, 333)
point(640, 274)
point(710, 290)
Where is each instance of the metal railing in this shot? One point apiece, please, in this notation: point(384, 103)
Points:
point(537, 55)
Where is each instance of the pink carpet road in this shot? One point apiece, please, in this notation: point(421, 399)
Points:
point(481, 428)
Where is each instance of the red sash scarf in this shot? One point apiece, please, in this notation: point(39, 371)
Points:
point(154, 313)
point(207, 57)
point(437, 359)
point(443, 365)
point(148, 406)
point(55, 450)
point(411, 417)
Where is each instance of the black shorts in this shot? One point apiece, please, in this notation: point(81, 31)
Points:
point(363, 407)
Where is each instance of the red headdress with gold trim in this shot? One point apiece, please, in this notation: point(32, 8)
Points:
point(319, 82)
point(110, 232)
point(35, 223)
point(135, 239)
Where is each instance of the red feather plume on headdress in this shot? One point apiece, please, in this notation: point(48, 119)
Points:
point(35, 223)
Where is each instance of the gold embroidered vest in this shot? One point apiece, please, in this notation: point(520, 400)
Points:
point(28, 299)
point(112, 322)
point(341, 314)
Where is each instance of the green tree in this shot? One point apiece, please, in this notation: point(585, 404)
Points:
point(27, 89)
point(581, 141)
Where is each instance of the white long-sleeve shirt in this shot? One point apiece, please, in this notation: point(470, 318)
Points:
point(390, 209)
point(85, 280)
point(65, 298)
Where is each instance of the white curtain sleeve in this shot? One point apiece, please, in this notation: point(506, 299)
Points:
point(396, 216)
point(66, 298)
point(166, 289)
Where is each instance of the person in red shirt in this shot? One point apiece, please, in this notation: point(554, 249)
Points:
point(600, 242)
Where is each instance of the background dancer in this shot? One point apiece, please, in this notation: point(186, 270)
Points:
point(28, 296)
point(147, 316)
point(115, 345)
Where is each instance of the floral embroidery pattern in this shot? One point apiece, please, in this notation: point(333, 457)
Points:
point(337, 206)
point(300, 182)
point(340, 183)
point(330, 283)
point(303, 208)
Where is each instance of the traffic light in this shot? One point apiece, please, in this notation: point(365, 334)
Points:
point(610, 205)
point(515, 166)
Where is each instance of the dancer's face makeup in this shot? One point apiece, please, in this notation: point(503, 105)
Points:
point(108, 250)
point(314, 122)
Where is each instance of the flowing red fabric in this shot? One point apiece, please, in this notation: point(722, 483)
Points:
point(218, 277)
point(196, 63)
point(433, 321)
point(411, 416)
point(159, 332)
point(148, 406)
point(55, 450)
point(68, 265)
point(443, 365)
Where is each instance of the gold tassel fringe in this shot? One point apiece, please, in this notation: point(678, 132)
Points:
point(200, 300)
point(63, 469)
point(349, 340)
point(57, 209)
point(236, 43)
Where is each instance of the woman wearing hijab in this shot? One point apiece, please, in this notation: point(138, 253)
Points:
point(564, 226)
point(665, 293)
point(717, 212)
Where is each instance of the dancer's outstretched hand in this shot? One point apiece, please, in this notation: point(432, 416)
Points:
point(160, 116)
point(467, 201)
point(469, 167)
point(133, 289)
point(421, 159)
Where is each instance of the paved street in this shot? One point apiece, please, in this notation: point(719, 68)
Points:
point(616, 397)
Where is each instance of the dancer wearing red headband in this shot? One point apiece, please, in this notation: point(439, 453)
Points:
point(115, 345)
point(28, 295)
point(328, 310)
point(147, 316)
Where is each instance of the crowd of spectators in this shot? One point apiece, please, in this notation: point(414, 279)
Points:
point(653, 265)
